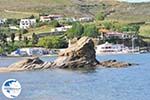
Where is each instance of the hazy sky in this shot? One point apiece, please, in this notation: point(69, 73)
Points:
point(136, 0)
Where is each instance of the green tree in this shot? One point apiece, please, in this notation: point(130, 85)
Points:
point(12, 36)
point(76, 31)
point(26, 40)
point(23, 31)
point(136, 28)
point(52, 42)
point(131, 29)
point(107, 24)
point(1, 50)
point(3, 38)
point(118, 26)
point(12, 22)
point(100, 16)
point(54, 23)
point(32, 17)
point(34, 39)
point(90, 31)
point(20, 36)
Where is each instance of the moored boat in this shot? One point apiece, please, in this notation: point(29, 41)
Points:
point(109, 48)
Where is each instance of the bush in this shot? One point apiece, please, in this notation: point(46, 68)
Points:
point(90, 31)
point(54, 23)
point(39, 24)
point(1, 50)
point(100, 16)
point(52, 42)
point(12, 22)
point(76, 31)
point(23, 31)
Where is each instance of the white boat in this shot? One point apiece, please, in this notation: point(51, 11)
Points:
point(109, 48)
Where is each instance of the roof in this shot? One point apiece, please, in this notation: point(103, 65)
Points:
point(45, 17)
point(103, 30)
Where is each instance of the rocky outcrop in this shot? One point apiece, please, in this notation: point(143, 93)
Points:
point(115, 64)
point(79, 55)
point(31, 64)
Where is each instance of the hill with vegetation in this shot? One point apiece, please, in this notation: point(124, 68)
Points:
point(114, 10)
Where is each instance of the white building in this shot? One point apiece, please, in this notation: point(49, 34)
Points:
point(86, 19)
point(48, 18)
point(27, 23)
point(61, 29)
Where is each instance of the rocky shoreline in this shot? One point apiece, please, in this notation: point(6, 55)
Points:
point(79, 55)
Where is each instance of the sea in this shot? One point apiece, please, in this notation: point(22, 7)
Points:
point(131, 83)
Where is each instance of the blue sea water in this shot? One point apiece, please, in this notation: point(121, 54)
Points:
point(132, 83)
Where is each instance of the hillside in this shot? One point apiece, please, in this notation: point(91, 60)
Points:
point(115, 10)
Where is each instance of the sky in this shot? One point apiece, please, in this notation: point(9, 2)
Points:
point(136, 0)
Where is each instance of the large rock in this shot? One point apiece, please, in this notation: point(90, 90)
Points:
point(115, 64)
point(79, 55)
point(28, 64)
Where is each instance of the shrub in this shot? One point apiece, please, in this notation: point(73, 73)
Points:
point(23, 31)
point(52, 42)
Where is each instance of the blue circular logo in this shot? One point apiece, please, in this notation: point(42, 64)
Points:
point(11, 88)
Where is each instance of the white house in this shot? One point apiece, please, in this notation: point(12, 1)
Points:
point(27, 23)
point(61, 29)
point(48, 18)
point(108, 34)
point(86, 19)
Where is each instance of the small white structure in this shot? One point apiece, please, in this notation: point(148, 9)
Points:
point(61, 29)
point(30, 52)
point(13, 27)
point(109, 48)
point(86, 19)
point(27, 23)
point(48, 18)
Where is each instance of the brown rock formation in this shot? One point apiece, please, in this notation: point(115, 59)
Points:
point(115, 64)
point(31, 64)
point(79, 55)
